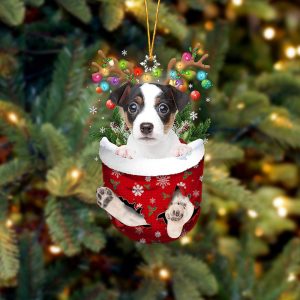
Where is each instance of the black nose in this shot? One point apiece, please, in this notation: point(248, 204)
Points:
point(146, 128)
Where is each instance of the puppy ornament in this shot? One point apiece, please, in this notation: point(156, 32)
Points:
point(153, 184)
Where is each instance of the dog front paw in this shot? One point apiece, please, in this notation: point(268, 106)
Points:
point(104, 196)
point(125, 152)
point(175, 212)
point(182, 150)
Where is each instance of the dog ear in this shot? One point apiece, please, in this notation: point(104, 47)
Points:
point(119, 95)
point(181, 99)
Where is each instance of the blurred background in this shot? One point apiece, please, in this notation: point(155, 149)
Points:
point(55, 243)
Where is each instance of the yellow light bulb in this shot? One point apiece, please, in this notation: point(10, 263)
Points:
point(237, 2)
point(259, 232)
point(292, 277)
point(252, 214)
point(9, 223)
point(273, 116)
point(185, 240)
point(75, 173)
point(54, 249)
point(12, 117)
point(179, 66)
point(282, 212)
point(222, 211)
point(105, 72)
point(298, 50)
point(207, 157)
point(241, 105)
point(278, 66)
point(164, 274)
point(130, 3)
point(290, 52)
point(269, 33)
point(278, 201)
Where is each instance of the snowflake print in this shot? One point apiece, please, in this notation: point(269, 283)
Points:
point(208, 99)
point(137, 190)
point(201, 178)
point(182, 184)
point(193, 115)
point(139, 230)
point(102, 129)
point(196, 166)
point(143, 241)
point(196, 193)
point(139, 205)
point(157, 234)
point(163, 181)
point(124, 52)
point(148, 178)
point(96, 158)
point(93, 110)
point(147, 68)
point(190, 85)
point(115, 173)
point(152, 200)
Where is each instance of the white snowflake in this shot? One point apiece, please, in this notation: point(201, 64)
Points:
point(137, 190)
point(115, 173)
point(148, 178)
point(143, 241)
point(139, 230)
point(96, 158)
point(102, 129)
point(154, 62)
point(190, 85)
point(152, 200)
point(193, 115)
point(139, 205)
point(93, 110)
point(182, 184)
point(196, 193)
point(208, 99)
point(205, 141)
point(201, 178)
point(163, 181)
point(157, 234)
point(196, 166)
point(124, 52)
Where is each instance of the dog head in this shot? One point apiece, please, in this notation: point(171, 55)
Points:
point(149, 109)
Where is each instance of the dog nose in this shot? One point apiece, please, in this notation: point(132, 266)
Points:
point(146, 128)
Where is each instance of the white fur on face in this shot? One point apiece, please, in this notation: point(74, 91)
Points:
point(149, 115)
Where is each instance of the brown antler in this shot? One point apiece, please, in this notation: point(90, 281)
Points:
point(192, 63)
point(113, 67)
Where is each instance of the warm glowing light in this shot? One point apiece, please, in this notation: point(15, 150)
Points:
point(208, 157)
point(130, 3)
point(298, 50)
point(209, 25)
point(241, 105)
point(290, 52)
point(292, 277)
point(273, 116)
point(259, 232)
point(278, 201)
point(237, 2)
point(179, 66)
point(75, 173)
point(146, 78)
point(9, 223)
point(12, 117)
point(252, 213)
point(105, 72)
point(164, 274)
point(267, 168)
point(222, 211)
point(278, 66)
point(282, 212)
point(269, 33)
point(55, 249)
point(185, 240)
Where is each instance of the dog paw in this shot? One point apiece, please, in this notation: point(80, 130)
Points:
point(125, 152)
point(104, 196)
point(182, 150)
point(175, 211)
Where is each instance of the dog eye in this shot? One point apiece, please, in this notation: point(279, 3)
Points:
point(133, 107)
point(163, 109)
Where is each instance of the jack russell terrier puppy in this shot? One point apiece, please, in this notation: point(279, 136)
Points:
point(149, 111)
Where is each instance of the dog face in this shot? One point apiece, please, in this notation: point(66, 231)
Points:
point(149, 109)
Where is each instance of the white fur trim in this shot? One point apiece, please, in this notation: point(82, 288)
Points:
point(150, 166)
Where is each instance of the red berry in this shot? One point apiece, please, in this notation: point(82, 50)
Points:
point(110, 104)
point(195, 95)
point(137, 71)
point(98, 90)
